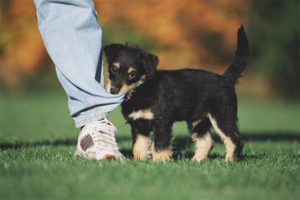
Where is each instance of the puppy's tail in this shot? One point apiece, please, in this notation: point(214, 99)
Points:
point(234, 71)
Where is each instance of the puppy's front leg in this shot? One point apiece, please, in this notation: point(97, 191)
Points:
point(141, 143)
point(162, 146)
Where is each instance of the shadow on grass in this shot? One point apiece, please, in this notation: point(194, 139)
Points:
point(181, 143)
point(18, 145)
point(185, 141)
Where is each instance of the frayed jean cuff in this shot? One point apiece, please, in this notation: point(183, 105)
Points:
point(89, 116)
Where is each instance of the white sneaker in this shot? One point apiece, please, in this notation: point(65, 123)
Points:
point(97, 141)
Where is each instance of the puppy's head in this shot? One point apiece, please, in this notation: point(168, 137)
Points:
point(128, 67)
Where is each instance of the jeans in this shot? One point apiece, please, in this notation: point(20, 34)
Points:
point(73, 39)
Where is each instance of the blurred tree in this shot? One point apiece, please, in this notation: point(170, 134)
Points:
point(275, 44)
point(21, 47)
point(190, 33)
point(182, 33)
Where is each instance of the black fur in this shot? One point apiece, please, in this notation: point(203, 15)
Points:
point(186, 94)
point(233, 73)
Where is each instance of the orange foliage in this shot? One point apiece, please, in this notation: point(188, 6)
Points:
point(183, 27)
point(23, 50)
point(178, 25)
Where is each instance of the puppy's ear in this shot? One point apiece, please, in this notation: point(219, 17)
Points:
point(111, 51)
point(150, 63)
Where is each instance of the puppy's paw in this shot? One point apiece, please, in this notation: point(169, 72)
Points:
point(141, 155)
point(234, 152)
point(141, 148)
point(162, 156)
point(229, 158)
point(199, 158)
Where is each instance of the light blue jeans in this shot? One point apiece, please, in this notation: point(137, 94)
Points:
point(73, 39)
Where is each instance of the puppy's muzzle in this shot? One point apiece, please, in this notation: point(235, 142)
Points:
point(114, 90)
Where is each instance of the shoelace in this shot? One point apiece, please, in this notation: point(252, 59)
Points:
point(105, 137)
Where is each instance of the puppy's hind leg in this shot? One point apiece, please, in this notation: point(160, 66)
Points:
point(225, 126)
point(201, 135)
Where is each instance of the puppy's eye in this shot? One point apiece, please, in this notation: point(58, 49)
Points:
point(132, 75)
point(113, 69)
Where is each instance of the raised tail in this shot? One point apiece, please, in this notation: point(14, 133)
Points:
point(234, 71)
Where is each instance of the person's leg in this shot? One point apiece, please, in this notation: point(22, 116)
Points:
point(73, 39)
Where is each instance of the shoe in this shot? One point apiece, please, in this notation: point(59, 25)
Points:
point(97, 141)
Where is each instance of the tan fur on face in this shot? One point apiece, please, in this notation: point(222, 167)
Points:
point(230, 146)
point(130, 70)
point(163, 155)
point(116, 64)
point(203, 146)
point(140, 148)
point(126, 88)
point(142, 114)
point(108, 86)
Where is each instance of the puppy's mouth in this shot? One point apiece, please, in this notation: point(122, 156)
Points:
point(125, 89)
point(115, 90)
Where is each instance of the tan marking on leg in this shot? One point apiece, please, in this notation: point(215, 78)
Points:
point(195, 123)
point(230, 146)
point(141, 147)
point(116, 64)
point(203, 146)
point(142, 114)
point(163, 155)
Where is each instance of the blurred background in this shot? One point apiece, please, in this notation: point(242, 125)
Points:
point(38, 137)
point(190, 33)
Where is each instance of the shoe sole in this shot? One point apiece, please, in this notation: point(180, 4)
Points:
point(109, 157)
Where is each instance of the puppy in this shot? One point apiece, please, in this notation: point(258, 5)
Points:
point(155, 99)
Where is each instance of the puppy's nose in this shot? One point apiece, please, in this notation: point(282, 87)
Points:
point(114, 90)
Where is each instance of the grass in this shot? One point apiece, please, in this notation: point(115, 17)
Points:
point(37, 141)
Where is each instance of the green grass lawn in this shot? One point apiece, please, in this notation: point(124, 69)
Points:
point(38, 138)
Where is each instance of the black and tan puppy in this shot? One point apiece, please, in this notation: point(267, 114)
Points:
point(155, 99)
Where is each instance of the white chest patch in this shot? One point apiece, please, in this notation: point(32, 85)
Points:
point(141, 114)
